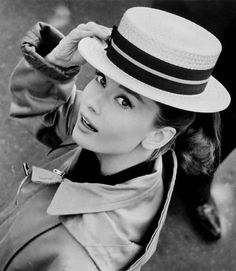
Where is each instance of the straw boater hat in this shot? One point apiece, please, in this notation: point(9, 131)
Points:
point(163, 57)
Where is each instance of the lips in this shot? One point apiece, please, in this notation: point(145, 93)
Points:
point(87, 124)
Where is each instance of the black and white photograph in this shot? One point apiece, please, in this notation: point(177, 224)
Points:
point(117, 137)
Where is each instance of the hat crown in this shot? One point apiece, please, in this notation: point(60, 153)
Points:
point(170, 38)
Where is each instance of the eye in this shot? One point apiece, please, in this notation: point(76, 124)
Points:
point(124, 102)
point(101, 78)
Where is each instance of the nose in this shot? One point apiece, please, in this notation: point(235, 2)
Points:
point(94, 103)
point(92, 109)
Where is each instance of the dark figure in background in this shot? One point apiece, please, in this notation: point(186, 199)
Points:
point(219, 17)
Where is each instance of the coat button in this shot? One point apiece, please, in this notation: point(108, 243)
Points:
point(26, 168)
point(57, 171)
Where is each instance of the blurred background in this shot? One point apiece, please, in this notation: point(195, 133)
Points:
point(180, 247)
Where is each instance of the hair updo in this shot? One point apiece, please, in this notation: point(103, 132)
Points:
point(197, 139)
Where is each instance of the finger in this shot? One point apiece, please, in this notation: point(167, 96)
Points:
point(77, 34)
point(98, 30)
point(90, 29)
point(101, 33)
point(94, 25)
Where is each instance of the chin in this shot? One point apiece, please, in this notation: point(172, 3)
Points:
point(77, 137)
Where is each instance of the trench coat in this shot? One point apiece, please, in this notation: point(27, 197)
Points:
point(54, 223)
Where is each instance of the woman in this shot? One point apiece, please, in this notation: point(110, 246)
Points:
point(104, 205)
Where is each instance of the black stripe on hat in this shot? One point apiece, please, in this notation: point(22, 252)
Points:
point(151, 79)
point(156, 64)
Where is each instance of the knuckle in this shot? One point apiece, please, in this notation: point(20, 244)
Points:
point(80, 26)
point(74, 31)
point(91, 23)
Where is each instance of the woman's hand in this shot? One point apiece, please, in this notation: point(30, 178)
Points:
point(66, 53)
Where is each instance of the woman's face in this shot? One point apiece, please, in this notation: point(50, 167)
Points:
point(112, 119)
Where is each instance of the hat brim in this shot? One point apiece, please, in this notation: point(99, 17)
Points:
point(214, 98)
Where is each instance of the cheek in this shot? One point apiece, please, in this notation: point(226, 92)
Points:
point(125, 131)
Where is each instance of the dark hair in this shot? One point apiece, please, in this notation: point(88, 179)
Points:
point(197, 141)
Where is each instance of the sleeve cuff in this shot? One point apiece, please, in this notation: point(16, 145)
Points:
point(39, 42)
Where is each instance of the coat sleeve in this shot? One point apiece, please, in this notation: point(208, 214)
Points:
point(44, 96)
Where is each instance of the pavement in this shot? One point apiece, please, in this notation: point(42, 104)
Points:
point(180, 247)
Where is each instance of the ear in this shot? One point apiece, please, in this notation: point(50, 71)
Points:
point(158, 138)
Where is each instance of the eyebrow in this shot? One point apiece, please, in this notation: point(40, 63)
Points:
point(136, 95)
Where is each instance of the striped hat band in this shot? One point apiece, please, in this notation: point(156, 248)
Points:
point(153, 71)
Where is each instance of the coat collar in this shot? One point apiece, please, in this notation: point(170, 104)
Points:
point(75, 198)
